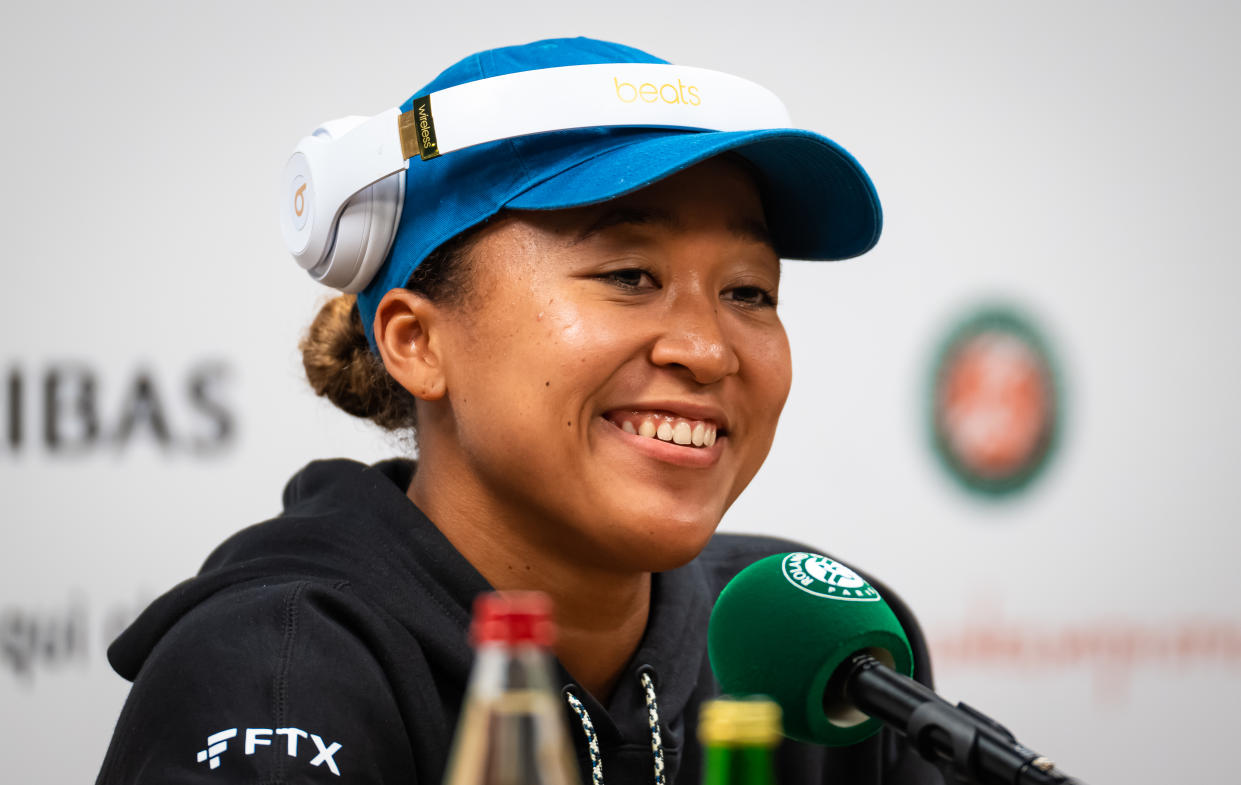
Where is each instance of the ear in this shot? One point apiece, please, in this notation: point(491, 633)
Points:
point(407, 333)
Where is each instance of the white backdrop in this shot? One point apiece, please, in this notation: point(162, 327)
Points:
point(1079, 160)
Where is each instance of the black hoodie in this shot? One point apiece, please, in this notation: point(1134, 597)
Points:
point(329, 645)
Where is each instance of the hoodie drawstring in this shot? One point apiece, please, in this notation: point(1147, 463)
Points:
point(652, 717)
point(592, 740)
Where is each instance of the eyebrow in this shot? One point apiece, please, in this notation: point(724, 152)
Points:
point(745, 228)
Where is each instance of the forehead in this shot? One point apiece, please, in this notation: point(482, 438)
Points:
point(718, 193)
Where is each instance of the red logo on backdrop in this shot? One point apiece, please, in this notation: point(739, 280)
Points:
point(995, 405)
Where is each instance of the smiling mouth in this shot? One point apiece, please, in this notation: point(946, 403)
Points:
point(667, 428)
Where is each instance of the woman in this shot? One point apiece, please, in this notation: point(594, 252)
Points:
point(582, 327)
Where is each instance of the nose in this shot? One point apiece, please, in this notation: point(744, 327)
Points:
point(694, 338)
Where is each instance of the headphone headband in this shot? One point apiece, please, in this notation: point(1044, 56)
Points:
point(329, 169)
point(587, 96)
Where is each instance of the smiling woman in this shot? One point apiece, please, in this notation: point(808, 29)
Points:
point(581, 327)
point(582, 322)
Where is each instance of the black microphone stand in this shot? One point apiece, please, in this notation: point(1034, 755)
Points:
point(967, 746)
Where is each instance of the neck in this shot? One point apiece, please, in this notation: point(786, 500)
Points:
point(600, 613)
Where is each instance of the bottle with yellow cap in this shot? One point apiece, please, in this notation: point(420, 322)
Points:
point(739, 737)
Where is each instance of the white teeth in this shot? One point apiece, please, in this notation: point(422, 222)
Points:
point(681, 433)
point(666, 428)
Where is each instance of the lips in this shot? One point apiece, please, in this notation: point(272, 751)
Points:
point(666, 426)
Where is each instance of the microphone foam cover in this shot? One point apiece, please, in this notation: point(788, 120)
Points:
point(784, 624)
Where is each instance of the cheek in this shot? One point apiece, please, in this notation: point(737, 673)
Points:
point(582, 343)
point(767, 376)
point(561, 334)
point(771, 366)
point(535, 357)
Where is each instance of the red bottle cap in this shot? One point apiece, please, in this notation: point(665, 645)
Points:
point(513, 617)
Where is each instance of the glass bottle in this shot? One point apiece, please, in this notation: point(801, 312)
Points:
point(512, 727)
point(739, 737)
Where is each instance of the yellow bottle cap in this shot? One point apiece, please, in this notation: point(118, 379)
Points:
point(738, 722)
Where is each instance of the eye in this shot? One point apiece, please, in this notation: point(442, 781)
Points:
point(632, 279)
point(752, 296)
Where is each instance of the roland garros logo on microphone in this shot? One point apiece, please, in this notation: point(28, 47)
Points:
point(822, 577)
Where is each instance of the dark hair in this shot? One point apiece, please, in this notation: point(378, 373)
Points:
point(339, 363)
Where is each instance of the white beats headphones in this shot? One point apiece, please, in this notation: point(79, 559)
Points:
point(360, 235)
point(343, 188)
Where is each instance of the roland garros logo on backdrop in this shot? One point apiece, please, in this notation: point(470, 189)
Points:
point(822, 577)
point(995, 408)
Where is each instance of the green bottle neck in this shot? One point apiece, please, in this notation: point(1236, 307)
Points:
point(748, 765)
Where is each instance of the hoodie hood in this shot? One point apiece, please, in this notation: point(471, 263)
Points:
point(343, 523)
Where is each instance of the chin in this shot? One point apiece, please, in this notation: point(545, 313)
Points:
point(662, 543)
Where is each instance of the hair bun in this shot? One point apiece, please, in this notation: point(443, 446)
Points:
point(340, 367)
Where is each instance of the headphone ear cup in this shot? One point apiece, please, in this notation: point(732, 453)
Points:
point(364, 235)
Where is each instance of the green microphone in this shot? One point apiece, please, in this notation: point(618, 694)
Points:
point(786, 624)
point(814, 636)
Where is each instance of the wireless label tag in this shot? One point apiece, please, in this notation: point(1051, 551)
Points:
point(417, 129)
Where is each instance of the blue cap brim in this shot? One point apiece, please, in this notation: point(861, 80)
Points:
point(820, 203)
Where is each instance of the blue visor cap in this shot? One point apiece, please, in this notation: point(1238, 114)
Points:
point(819, 202)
